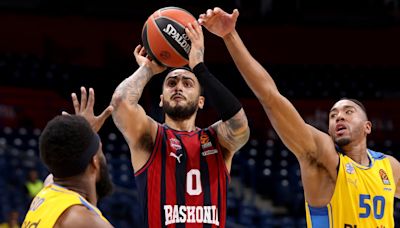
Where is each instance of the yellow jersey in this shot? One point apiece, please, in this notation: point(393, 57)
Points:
point(363, 196)
point(50, 203)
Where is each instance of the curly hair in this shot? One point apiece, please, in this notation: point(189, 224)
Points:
point(64, 145)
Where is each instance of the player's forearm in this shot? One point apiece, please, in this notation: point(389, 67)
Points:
point(130, 90)
point(252, 71)
point(226, 104)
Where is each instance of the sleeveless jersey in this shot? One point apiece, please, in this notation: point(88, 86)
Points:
point(50, 203)
point(184, 182)
point(363, 196)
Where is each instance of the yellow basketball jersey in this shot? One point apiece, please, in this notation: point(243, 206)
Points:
point(50, 203)
point(363, 196)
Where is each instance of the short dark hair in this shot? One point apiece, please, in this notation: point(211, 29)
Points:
point(357, 102)
point(63, 143)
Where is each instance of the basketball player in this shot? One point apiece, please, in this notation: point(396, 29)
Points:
point(72, 152)
point(182, 171)
point(345, 183)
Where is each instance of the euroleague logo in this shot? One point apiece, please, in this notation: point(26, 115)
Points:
point(384, 177)
point(205, 141)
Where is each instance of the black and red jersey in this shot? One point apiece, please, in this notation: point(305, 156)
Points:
point(184, 182)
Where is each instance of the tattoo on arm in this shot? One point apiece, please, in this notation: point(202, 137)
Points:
point(200, 54)
point(234, 132)
point(130, 90)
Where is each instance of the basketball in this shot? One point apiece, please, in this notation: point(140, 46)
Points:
point(164, 37)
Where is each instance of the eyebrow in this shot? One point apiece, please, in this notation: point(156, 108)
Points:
point(345, 107)
point(183, 77)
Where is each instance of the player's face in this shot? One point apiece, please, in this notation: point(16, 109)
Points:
point(104, 185)
point(181, 95)
point(348, 123)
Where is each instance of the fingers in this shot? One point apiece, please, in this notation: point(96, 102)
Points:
point(235, 14)
point(90, 103)
point(137, 50)
point(142, 51)
point(64, 113)
point(209, 13)
point(75, 102)
point(193, 30)
point(217, 10)
point(105, 114)
point(200, 21)
point(83, 98)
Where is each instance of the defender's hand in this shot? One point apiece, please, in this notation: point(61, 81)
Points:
point(85, 109)
point(218, 21)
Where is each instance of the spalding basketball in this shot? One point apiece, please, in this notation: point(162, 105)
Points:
point(164, 36)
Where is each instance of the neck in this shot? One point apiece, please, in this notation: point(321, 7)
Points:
point(181, 125)
point(81, 185)
point(358, 154)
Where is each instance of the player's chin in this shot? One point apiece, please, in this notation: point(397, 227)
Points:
point(342, 141)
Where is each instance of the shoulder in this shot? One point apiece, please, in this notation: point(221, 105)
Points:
point(394, 163)
point(79, 216)
point(377, 155)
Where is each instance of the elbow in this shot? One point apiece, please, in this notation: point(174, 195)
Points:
point(242, 131)
point(116, 100)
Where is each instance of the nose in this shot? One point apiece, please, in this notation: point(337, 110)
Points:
point(178, 86)
point(339, 117)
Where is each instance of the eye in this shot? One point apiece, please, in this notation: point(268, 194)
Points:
point(188, 83)
point(171, 83)
point(332, 115)
point(349, 111)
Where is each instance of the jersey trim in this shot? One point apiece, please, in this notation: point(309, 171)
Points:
point(214, 133)
point(321, 217)
point(153, 152)
point(376, 155)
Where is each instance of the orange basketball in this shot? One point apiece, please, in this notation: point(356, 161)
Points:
point(164, 36)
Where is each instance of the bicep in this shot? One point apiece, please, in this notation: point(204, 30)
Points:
point(233, 133)
point(133, 122)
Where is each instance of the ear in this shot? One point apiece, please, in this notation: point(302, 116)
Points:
point(368, 127)
point(201, 102)
point(95, 162)
point(161, 101)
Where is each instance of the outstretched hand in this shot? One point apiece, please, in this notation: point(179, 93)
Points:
point(195, 34)
point(143, 59)
point(218, 21)
point(85, 109)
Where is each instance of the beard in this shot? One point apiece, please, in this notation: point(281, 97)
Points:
point(104, 185)
point(179, 113)
point(342, 142)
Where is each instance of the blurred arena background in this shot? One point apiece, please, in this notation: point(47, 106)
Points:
point(317, 51)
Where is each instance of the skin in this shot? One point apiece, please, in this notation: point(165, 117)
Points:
point(85, 183)
point(314, 149)
point(179, 89)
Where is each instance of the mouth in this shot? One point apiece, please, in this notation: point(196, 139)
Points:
point(177, 97)
point(340, 129)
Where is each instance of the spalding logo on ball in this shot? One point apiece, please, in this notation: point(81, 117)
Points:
point(164, 36)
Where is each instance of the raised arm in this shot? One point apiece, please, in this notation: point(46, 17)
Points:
point(138, 129)
point(305, 141)
point(85, 109)
point(233, 130)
